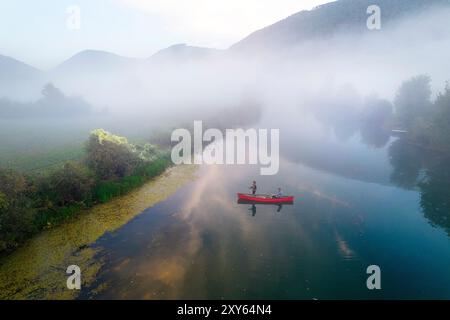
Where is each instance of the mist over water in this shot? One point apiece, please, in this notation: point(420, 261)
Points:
point(370, 187)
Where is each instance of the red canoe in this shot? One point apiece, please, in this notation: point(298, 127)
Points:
point(264, 198)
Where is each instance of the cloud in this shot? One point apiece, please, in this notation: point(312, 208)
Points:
point(216, 22)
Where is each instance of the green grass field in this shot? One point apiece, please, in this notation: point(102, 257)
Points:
point(29, 146)
point(34, 145)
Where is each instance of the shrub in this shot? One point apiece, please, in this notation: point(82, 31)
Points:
point(110, 156)
point(106, 190)
point(16, 211)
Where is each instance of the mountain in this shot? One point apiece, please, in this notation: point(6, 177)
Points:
point(92, 71)
point(93, 62)
point(18, 79)
point(13, 70)
point(343, 16)
point(182, 53)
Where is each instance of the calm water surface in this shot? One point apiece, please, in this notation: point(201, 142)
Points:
point(348, 214)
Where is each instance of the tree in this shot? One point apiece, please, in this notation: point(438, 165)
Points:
point(412, 105)
point(52, 104)
point(440, 130)
point(55, 103)
point(51, 93)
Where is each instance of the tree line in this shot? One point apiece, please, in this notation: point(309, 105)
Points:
point(52, 104)
point(421, 157)
point(420, 118)
point(426, 121)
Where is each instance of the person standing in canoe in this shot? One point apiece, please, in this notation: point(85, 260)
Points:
point(253, 188)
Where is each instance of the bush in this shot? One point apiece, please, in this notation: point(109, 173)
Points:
point(27, 206)
point(110, 156)
point(107, 190)
point(16, 211)
point(73, 183)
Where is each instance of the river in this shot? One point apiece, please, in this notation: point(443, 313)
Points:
point(356, 205)
point(350, 212)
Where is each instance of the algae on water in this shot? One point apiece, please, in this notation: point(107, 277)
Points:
point(38, 269)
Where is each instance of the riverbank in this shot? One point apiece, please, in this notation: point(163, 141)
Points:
point(111, 167)
point(37, 270)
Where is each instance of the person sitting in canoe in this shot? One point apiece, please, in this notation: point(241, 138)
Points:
point(253, 187)
point(279, 194)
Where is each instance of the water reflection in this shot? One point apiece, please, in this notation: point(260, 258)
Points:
point(202, 244)
point(410, 166)
point(415, 167)
point(348, 113)
point(252, 208)
point(376, 122)
point(407, 161)
point(435, 194)
point(351, 159)
point(374, 136)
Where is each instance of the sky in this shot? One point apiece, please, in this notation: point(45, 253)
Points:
point(46, 32)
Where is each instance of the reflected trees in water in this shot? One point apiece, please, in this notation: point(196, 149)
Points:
point(429, 172)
